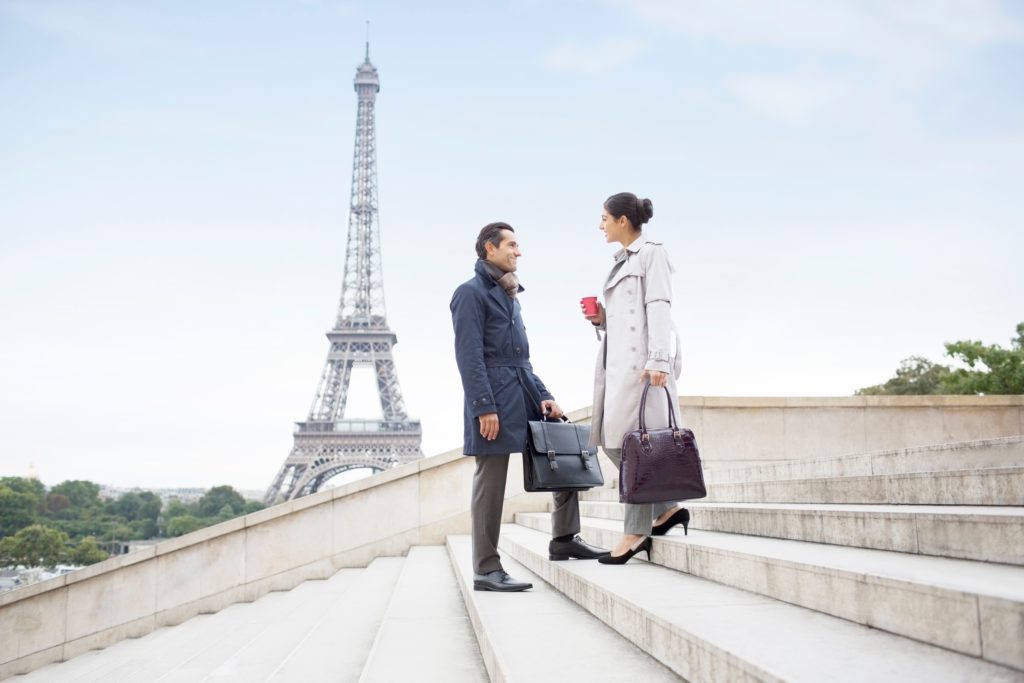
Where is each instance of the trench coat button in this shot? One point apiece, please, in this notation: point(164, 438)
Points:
point(633, 348)
point(632, 329)
point(632, 311)
point(518, 350)
point(474, 402)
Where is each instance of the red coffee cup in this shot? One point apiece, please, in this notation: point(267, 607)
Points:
point(589, 305)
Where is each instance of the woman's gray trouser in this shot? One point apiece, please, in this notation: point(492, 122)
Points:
point(639, 518)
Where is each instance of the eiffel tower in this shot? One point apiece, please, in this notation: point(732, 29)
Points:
point(327, 444)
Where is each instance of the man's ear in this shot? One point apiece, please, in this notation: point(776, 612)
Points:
point(489, 248)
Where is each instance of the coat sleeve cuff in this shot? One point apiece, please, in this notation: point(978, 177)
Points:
point(658, 366)
point(483, 406)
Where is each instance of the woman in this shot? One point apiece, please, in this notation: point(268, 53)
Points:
point(637, 319)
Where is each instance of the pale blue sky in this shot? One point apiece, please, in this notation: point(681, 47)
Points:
point(838, 185)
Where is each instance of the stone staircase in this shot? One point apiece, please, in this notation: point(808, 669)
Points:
point(900, 565)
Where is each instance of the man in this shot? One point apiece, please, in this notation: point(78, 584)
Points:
point(502, 394)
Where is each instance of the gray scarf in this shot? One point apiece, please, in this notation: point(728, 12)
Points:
point(507, 281)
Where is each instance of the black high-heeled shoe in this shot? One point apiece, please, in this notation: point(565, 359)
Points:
point(644, 545)
point(680, 516)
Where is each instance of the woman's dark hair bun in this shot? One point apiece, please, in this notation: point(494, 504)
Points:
point(627, 204)
point(646, 210)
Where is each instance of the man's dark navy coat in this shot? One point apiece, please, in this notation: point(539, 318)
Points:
point(494, 360)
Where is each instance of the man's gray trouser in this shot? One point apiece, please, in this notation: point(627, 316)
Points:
point(486, 506)
point(639, 518)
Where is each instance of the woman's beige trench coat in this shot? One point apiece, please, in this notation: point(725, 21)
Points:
point(639, 335)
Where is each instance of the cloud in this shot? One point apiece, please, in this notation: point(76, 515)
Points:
point(916, 36)
point(593, 58)
point(792, 98)
point(121, 29)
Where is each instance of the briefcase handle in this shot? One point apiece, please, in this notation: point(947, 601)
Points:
point(643, 412)
point(547, 412)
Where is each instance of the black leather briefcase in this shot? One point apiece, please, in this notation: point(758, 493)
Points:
point(557, 457)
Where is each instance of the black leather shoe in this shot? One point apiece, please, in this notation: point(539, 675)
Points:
point(500, 581)
point(563, 550)
point(642, 546)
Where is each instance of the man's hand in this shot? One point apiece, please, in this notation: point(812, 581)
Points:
point(489, 426)
point(556, 412)
point(658, 379)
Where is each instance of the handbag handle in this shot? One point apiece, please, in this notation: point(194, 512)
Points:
point(643, 411)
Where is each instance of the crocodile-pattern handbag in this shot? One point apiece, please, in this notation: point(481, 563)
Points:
point(660, 465)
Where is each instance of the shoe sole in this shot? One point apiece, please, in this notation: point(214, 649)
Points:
point(487, 587)
point(563, 558)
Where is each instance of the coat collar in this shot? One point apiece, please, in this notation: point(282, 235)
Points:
point(633, 248)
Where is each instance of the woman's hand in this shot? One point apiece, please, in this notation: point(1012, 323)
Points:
point(657, 379)
point(598, 318)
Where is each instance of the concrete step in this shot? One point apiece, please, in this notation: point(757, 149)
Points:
point(987, 453)
point(706, 631)
point(540, 635)
point(161, 651)
point(426, 610)
point(256, 647)
point(336, 647)
point(986, 533)
point(280, 637)
point(253, 652)
point(974, 608)
point(994, 486)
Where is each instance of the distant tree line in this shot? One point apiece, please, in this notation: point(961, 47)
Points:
point(990, 370)
point(71, 523)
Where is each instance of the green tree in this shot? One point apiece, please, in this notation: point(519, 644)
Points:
point(214, 500)
point(916, 375)
point(151, 506)
point(87, 552)
point(84, 495)
point(185, 524)
point(990, 369)
point(117, 531)
point(8, 551)
point(56, 503)
point(37, 546)
point(17, 510)
point(252, 506)
point(176, 508)
point(128, 506)
point(33, 487)
point(144, 528)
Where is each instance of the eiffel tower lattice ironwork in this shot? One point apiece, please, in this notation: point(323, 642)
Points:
point(327, 444)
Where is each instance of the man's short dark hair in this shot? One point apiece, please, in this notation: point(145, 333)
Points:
point(490, 233)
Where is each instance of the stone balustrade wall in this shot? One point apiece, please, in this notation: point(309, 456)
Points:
point(740, 431)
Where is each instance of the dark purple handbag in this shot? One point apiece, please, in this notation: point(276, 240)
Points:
point(660, 465)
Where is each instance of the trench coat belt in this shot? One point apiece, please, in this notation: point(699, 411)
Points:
point(506, 362)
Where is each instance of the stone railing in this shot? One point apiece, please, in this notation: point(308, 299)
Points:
point(740, 431)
